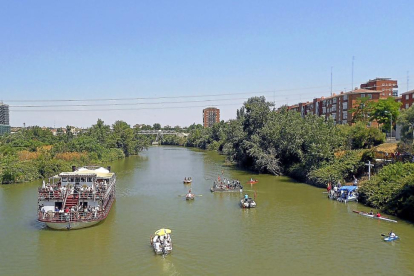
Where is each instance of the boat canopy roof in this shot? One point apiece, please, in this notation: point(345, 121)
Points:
point(348, 188)
point(100, 173)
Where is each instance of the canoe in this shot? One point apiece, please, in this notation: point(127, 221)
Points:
point(391, 239)
point(373, 216)
point(253, 182)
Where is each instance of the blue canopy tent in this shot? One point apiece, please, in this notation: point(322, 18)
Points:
point(348, 188)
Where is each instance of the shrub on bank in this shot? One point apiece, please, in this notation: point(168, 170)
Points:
point(343, 168)
point(391, 190)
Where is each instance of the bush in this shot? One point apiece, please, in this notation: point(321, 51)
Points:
point(391, 190)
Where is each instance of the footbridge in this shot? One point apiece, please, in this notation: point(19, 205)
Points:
point(160, 133)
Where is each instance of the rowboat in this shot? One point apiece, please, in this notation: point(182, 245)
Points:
point(247, 203)
point(189, 196)
point(373, 216)
point(187, 181)
point(391, 238)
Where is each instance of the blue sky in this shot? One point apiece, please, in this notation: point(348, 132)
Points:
point(173, 53)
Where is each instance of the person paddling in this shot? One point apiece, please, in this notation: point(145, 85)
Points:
point(391, 234)
point(378, 215)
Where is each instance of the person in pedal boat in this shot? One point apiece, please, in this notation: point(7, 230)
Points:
point(391, 234)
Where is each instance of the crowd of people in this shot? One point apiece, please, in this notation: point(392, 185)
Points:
point(162, 243)
point(73, 213)
point(227, 184)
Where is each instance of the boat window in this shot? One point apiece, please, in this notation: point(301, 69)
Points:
point(77, 179)
point(71, 179)
point(64, 179)
point(82, 179)
point(89, 179)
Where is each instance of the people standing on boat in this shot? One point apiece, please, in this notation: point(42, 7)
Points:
point(246, 197)
point(328, 188)
point(355, 181)
point(339, 184)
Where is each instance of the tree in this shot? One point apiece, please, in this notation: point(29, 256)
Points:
point(157, 126)
point(100, 132)
point(123, 137)
point(383, 110)
point(361, 110)
point(406, 120)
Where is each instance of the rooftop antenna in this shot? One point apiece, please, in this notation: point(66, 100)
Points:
point(331, 81)
point(352, 87)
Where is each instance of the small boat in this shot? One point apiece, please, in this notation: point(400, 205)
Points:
point(189, 196)
point(224, 185)
point(161, 242)
point(188, 180)
point(247, 203)
point(391, 238)
point(373, 216)
point(226, 189)
point(253, 181)
point(348, 193)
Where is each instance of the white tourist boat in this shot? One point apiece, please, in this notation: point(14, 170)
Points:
point(77, 199)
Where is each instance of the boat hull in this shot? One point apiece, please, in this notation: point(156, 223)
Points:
point(388, 239)
point(72, 225)
point(226, 190)
point(247, 205)
point(374, 216)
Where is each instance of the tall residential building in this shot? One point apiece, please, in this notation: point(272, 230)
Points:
point(407, 99)
point(4, 119)
point(211, 115)
point(387, 86)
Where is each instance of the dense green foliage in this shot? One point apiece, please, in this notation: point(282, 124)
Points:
point(34, 153)
point(285, 143)
point(406, 120)
point(391, 190)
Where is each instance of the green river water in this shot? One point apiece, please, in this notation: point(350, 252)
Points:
point(295, 229)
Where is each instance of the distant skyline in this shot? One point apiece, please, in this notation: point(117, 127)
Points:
point(165, 61)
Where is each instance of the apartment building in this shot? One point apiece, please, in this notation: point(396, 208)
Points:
point(4, 119)
point(211, 115)
point(387, 86)
point(407, 99)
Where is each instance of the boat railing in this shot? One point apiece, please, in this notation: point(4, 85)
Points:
point(60, 194)
point(59, 216)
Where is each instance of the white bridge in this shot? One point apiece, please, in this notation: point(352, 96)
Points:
point(160, 133)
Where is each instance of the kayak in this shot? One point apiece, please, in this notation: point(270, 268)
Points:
point(253, 182)
point(391, 239)
point(373, 216)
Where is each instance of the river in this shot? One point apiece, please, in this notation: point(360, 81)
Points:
point(295, 229)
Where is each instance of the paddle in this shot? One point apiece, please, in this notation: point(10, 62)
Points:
point(384, 235)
